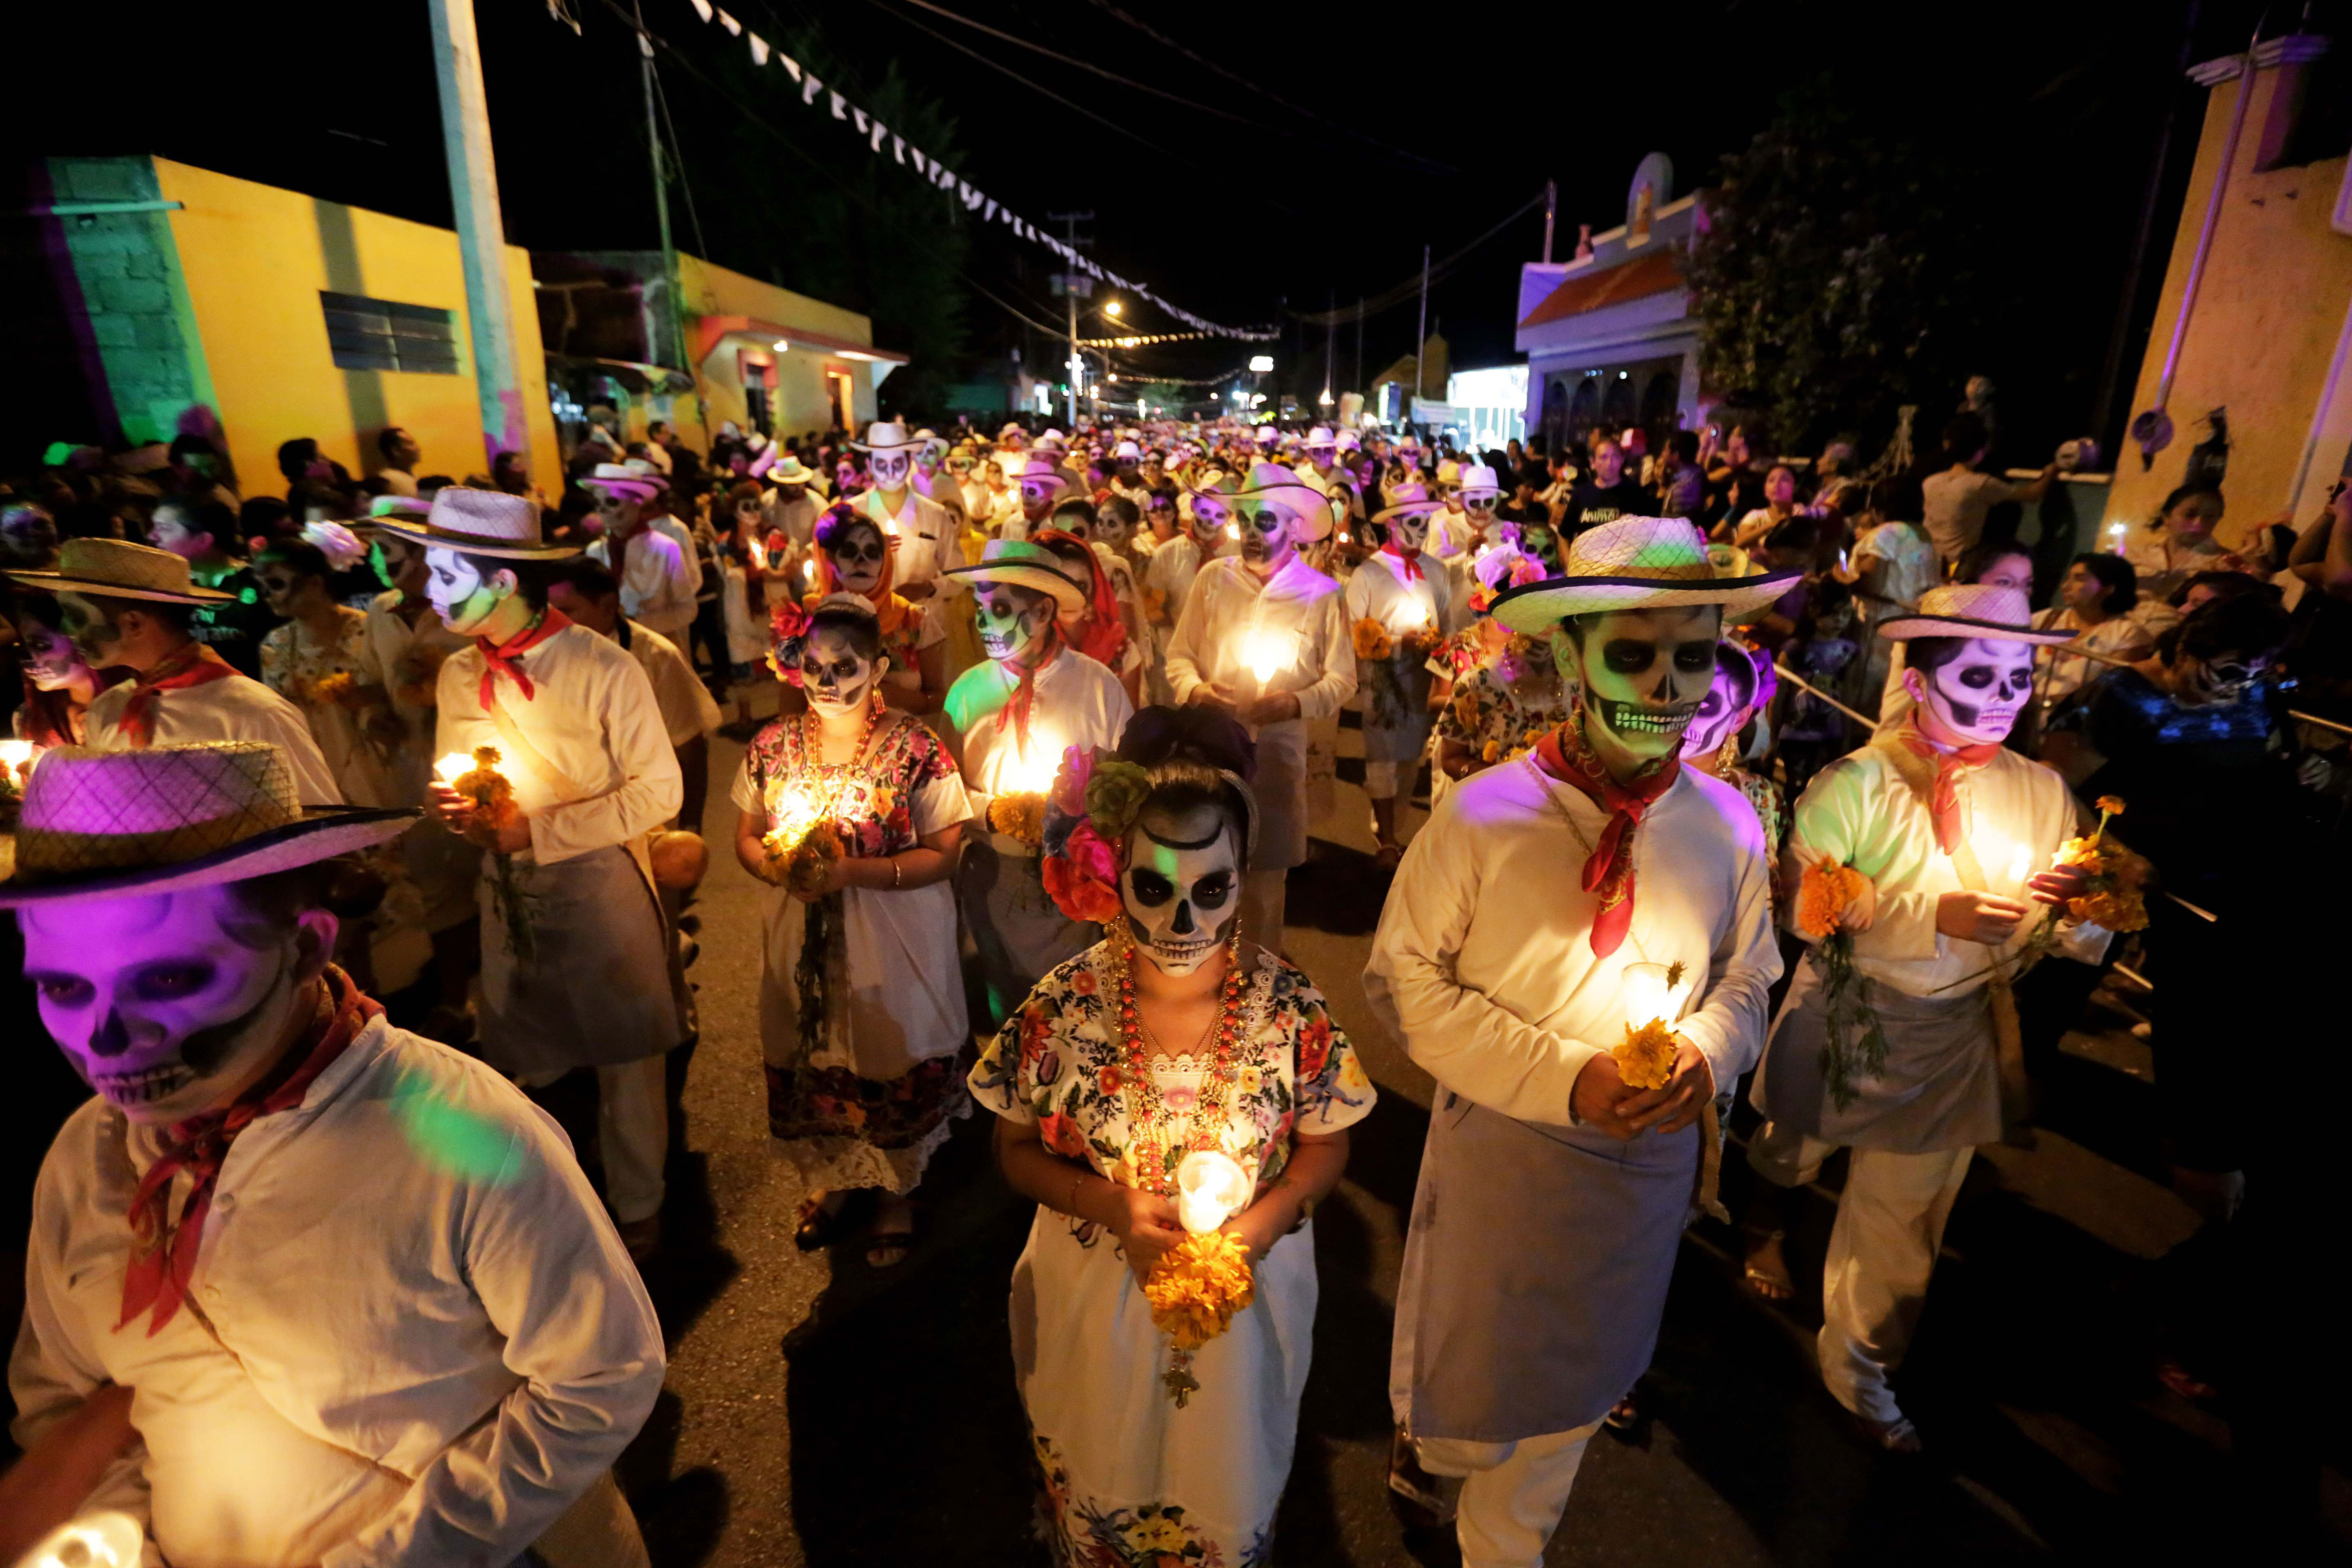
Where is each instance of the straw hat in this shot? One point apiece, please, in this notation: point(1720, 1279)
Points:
point(116, 569)
point(1635, 564)
point(479, 522)
point(889, 435)
point(1044, 470)
point(1321, 437)
point(1271, 484)
point(1024, 565)
point(1416, 499)
point(112, 825)
point(630, 481)
point(1985, 611)
point(398, 505)
point(792, 471)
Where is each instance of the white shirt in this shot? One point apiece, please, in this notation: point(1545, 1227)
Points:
point(1859, 811)
point(678, 533)
point(419, 1359)
point(654, 588)
point(924, 529)
point(1299, 607)
point(234, 708)
point(1483, 965)
point(789, 511)
point(595, 718)
point(1174, 562)
point(1905, 563)
point(1380, 591)
point(686, 709)
point(1079, 702)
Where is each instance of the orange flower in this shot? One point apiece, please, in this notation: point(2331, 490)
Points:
point(1372, 641)
point(1645, 1058)
point(1824, 890)
point(1019, 814)
point(1198, 1286)
point(1077, 893)
point(2122, 911)
point(2111, 806)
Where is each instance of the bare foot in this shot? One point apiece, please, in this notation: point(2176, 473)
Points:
point(1765, 1274)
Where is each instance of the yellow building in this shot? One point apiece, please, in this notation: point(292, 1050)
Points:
point(203, 298)
point(2270, 328)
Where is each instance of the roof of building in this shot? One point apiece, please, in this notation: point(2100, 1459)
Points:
point(1655, 273)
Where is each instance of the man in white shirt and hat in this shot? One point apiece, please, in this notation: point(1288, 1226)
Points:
point(657, 580)
point(133, 606)
point(1264, 636)
point(932, 479)
point(1041, 486)
point(788, 507)
point(1480, 495)
point(1013, 715)
point(1399, 590)
point(1548, 907)
point(922, 528)
point(302, 1288)
point(575, 955)
point(585, 589)
point(1956, 837)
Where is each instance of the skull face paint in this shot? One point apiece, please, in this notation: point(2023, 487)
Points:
point(1110, 527)
point(1539, 540)
point(1037, 496)
point(1645, 673)
point(890, 468)
point(1410, 531)
point(836, 677)
point(1974, 700)
point(90, 628)
point(458, 593)
point(1266, 536)
point(1182, 886)
point(857, 552)
point(1209, 520)
point(51, 657)
point(1724, 708)
point(168, 1005)
point(1013, 620)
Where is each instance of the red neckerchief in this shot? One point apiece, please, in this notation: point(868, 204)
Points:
point(1608, 870)
point(1944, 807)
point(1410, 558)
point(499, 658)
point(1024, 701)
point(163, 1255)
point(192, 665)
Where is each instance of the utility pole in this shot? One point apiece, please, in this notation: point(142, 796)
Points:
point(1330, 341)
point(675, 324)
point(1551, 208)
point(1070, 222)
point(1421, 341)
point(481, 233)
point(1359, 377)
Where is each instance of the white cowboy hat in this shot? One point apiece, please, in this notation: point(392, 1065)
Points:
point(1129, 449)
point(480, 523)
point(1984, 611)
point(1347, 441)
point(1478, 479)
point(116, 569)
point(1635, 564)
point(111, 825)
point(1273, 485)
point(621, 480)
point(1411, 506)
point(1043, 469)
point(1052, 437)
point(1321, 437)
point(1024, 565)
point(887, 436)
point(792, 471)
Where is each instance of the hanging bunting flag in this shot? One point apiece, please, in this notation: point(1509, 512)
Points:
point(946, 180)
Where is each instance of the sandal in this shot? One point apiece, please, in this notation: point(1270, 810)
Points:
point(889, 1249)
point(1388, 855)
point(813, 1233)
point(1896, 1436)
point(1624, 1415)
point(1764, 1272)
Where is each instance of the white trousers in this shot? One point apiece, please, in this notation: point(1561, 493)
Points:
point(1263, 896)
point(1890, 1226)
point(1381, 780)
point(1513, 1495)
point(632, 1131)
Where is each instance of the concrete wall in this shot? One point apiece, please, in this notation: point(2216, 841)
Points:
point(2265, 326)
point(253, 259)
point(801, 401)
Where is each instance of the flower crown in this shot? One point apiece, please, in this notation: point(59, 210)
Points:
point(788, 629)
point(1093, 805)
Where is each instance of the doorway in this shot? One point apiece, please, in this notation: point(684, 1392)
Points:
point(838, 390)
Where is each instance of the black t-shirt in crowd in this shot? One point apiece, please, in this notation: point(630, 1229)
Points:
point(1591, 505)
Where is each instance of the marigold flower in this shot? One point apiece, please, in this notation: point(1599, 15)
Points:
point(1823, 893)
point(1019, 814)
point(2120, 910)
point(1645, 1058)
point(2111, 805)
point(1372, 641)
point(1195, 1289)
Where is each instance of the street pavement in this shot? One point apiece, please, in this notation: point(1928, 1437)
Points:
point(820, 1411)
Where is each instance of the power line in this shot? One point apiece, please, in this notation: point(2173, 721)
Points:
point(1020, 42)
point(1413, 285)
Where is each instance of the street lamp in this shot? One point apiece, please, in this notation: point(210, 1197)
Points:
point(1260, 364)
point(1112, 309)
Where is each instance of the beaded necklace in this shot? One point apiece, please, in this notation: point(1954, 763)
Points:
point(811, 761)
point(1154, 1153)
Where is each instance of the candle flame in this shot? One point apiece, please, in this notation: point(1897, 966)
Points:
point(2020, 863)
point(1233, 530)
point(16, 755)
point(1264, 653)
point(454, 766)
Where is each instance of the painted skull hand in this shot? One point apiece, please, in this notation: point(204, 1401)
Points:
point(1645, 673)
point(1182, 886)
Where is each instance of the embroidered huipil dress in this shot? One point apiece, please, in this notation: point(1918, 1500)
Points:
point(862, 1034)
point(1129, 1479)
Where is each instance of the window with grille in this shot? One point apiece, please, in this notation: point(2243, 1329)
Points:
point(382, 334)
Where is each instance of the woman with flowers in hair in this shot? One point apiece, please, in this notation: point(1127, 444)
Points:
point(855, 556)
point(1173, 1040)
point(1096, 627)
point(851, 812)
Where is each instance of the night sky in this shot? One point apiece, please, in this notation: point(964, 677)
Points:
point(1317, 169)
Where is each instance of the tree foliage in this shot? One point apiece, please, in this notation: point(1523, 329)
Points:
point(1835, 279)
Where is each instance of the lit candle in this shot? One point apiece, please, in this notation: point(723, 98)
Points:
point(1210, 1188)
point(454, 766)
point(2020, 863)
point(2116, 536)
point(1654, 994)
point(1233, 530)
point(17, 756)
point(808, 569)
point(103, 1539)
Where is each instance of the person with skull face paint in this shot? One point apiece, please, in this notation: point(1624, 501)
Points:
point(575, 952)
point(659, 576)
point(1267, 610)
point(1095, 1113)
point(862, 1015)
point(128, 605)
point(1014, 717)
point(925, 530)
point(1552, 1196)
point(363, 1303)
point(855, 556)
point(1954, 835)
point(1412, 606)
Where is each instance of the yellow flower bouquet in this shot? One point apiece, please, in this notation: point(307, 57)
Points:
point(1019, 814)
point(1372, 641)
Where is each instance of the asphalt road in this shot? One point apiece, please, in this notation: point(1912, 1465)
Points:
point(821, 1412)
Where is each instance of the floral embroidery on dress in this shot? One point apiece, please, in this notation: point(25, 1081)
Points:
point(1057, 1062)
point(312, 677)
point(1083, 1534)
point(1460, 653)
point(1488, 719)
point(875, 811)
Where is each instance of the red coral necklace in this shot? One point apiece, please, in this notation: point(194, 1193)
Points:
point(1153, 1152)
